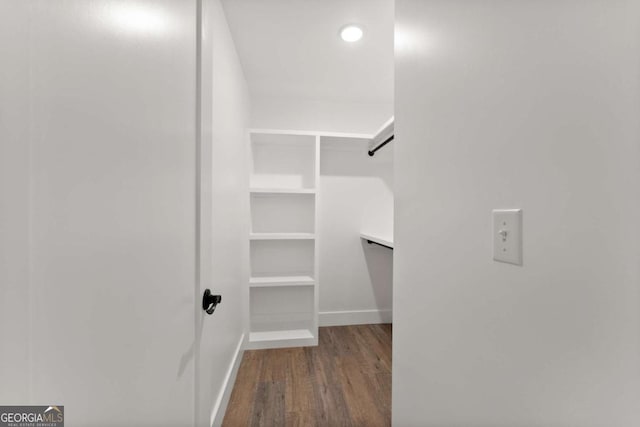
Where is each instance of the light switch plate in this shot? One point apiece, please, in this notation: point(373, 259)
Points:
point(507, 236)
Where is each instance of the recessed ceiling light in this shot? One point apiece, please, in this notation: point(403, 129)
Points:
point(351, 33)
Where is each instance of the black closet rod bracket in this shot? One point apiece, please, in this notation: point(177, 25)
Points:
point(385, 142)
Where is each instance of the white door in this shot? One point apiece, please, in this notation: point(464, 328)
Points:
point(99, 208)
point(224, 211)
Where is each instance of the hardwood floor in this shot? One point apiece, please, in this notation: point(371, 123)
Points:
point(344, 381)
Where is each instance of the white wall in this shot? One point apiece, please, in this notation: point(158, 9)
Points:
point(318, 115)
point(356, 195)
point(225, 215)
point(523, 104)
point(14, 202)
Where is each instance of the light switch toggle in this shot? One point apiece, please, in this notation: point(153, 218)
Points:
point(507, 235)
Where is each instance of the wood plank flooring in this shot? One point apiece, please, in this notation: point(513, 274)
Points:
point(344, 381)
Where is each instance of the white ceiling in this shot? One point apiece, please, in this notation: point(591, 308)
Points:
point(291, 48)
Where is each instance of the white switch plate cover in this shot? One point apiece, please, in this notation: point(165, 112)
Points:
point(507, 236)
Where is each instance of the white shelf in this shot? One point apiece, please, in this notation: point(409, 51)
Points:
point(384, 132)
point(282, 236)
point(310, 133)
point(273, 281)
point(287, 335)
point(282, 190)
point(385, 241)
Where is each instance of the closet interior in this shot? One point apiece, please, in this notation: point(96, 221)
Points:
point(321, 235)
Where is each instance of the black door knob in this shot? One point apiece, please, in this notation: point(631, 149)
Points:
point(210, 301)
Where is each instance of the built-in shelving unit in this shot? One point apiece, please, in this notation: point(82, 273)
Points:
point(284, 247)
point(283, 287)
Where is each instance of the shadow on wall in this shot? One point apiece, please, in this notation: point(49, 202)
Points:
point(380, 267)
point(351, 160)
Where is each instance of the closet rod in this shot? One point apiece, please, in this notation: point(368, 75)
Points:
point(385, 142)
point(371, 242)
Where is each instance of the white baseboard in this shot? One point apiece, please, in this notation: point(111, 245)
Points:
point(220, 407)
point(354, 317)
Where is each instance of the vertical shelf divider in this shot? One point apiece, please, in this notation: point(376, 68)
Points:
point(316, 251)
